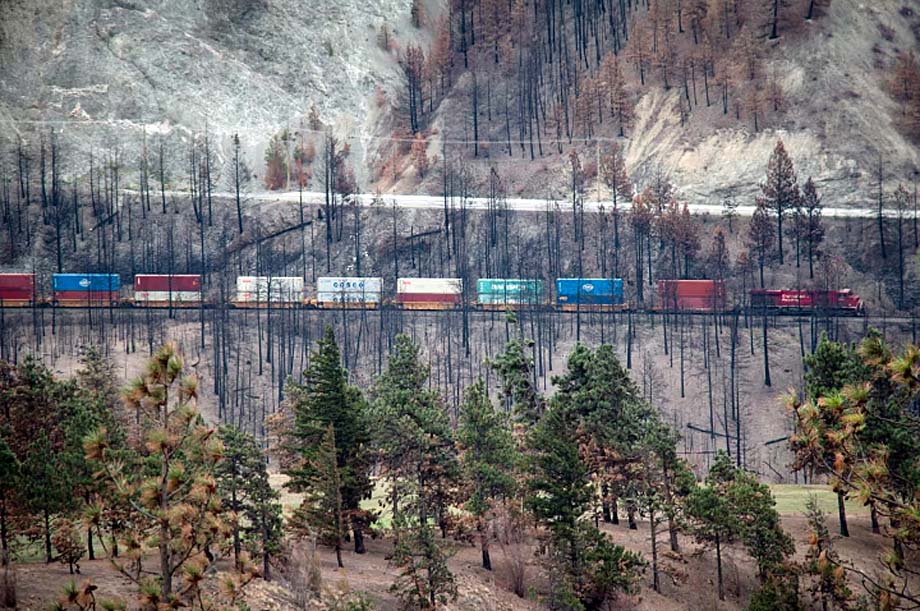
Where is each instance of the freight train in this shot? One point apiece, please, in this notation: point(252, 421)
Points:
point(571, 294)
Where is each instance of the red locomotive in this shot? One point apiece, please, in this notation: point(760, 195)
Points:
point(785, 301)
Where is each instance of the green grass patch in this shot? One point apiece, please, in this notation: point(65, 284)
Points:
point(791, 499)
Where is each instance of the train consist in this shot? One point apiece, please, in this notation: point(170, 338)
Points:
point(571, 294)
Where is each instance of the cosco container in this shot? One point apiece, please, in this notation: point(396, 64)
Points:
point(265, 289)
point(589, 291)
point(85, 282)
point(363, 298)
point(509, 291)
point(429, 291)
point(17, 288)
point(348, 284)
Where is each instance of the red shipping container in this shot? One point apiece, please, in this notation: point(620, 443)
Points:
point(17, 287)
point(163, 282)
point(697, 295)
point(86, 297)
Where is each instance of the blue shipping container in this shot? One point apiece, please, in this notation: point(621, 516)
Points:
point(596, 291)
point(86, 282)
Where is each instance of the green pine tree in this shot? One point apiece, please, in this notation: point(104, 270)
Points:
point(586, 567)
point(488, 459)
point(322, 513)
point(518, 382)
point(712, 520)
point(242, 479)
point(414, 438)
point(45, 487)
point(734, 505)
point(424, 581)
point(9, 482)
point(418, 454)
point(325, 399)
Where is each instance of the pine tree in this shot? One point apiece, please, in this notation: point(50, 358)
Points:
point(68, 544)
point(46, 486)
point(176, 509)
point(518, 388)
point(614, 174)
point(718, 260)
point(424, 581)
point(414, 439)
point(614, 85)
point(9, 483)
point(828, 369)
point(276, 163)
point(823, 562)
point(761, 532)
point(242, 480)
point(780, 191)
point(419, 459)
point(325, 399)
point(586, 568)
point(488, 457)
point(813, 231)
point(761, 235)
point(868, 430)
point(322, 512)
point(712, 520)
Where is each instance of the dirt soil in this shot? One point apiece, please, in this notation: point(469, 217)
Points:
point(687, 580)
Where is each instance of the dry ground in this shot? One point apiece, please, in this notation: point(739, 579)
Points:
point(687, 582)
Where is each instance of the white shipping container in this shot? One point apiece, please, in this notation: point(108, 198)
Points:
point(438, 286)
point(348, 297)
point(165, 296)
point(348, 284)
point(284, 289)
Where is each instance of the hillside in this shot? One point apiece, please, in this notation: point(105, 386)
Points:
point(105, 73)
point(593, 396)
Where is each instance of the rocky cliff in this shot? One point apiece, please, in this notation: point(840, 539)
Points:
point(105, 72)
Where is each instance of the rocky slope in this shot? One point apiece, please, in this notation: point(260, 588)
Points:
point(104, 72)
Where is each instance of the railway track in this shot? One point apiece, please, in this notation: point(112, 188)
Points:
point(538, 309)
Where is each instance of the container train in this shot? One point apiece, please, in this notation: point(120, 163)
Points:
point(571, 294)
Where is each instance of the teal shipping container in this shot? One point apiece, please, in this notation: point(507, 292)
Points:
point(509, 291)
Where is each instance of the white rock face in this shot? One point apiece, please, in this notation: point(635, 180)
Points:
point(104, 72)
point(101, 71)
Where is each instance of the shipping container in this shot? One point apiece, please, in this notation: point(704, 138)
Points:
point(86, 298)
point(440, 286)
point(283, 289)
point(165, 297)
point(351, 298)
point(500, 291)
point(85, 282)
point(691, 295)
point(165, 282)
point(349, 284)
point(429, 293)
point(589, 291)
point(17, 289)
point(86, 289)
point(163, 289)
